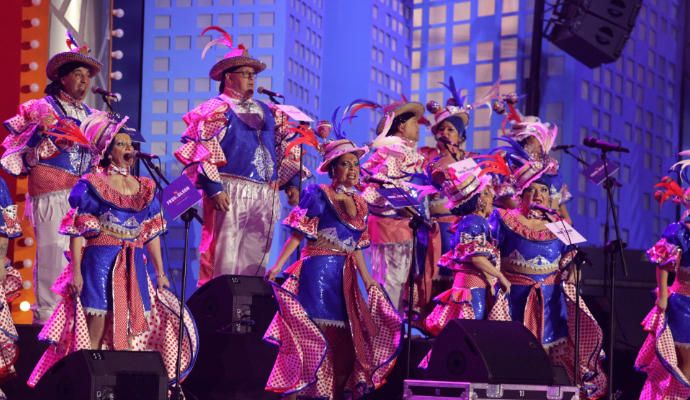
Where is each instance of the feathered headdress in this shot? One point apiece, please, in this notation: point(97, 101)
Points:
point(73, 45)
point(223, 40)
point(75, 54)
point(667, 189)
point(236, 57)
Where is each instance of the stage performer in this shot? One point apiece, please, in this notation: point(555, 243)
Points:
point(449, 130)
point(331, 341)
point(474, 259)
point(542, 292)
point(230, 148)
point(52, 164)
point(530, 139)
point(10, 285)
point(108, 298)
point(665, 354)
point(396, 160)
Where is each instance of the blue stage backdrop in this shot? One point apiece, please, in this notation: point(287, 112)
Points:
point(634, 101)
point(326, 53)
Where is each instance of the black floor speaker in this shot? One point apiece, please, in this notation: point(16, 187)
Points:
point(232, 313)
point(96, 375)
point(489, 351)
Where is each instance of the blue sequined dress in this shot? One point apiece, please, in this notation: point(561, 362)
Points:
point(536, 263)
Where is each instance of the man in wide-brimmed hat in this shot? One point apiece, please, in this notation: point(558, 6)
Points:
point(395, 160)
point(53, 161)
point(230, 146)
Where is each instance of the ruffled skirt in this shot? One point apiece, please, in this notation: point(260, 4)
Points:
point(305, 363)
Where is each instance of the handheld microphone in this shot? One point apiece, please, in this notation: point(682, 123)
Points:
point(140, 155)
point(604, 146)
point(545, 210)
point(563, 147)
point(269, 93)
point(371, 179)
point(103, 92)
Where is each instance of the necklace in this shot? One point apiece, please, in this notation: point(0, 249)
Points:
point(346, 190)
point(115, 170)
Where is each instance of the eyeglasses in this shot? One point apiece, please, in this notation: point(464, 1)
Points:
point(245, 74)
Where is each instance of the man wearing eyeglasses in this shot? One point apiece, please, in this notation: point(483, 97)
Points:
point(230, 142)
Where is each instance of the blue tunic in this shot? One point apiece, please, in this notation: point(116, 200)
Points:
point(113, 225)
point(331, 234)
point(537, 256)
point(250, 151)
point(472, 238)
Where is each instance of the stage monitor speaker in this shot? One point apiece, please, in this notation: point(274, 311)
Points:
point(104, 375)
point(232, 314)
point(232, 304)
point(491, 352)
point(593, 31)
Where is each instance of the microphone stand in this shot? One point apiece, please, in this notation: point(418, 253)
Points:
point(610, 248)
point(416, 220)
point(158, 177)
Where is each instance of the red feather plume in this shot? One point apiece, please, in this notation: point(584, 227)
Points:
point(669, 190)
point(306, 136)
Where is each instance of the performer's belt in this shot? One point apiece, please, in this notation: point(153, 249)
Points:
point(357, 310)
point(534, 309)
point(128, 312)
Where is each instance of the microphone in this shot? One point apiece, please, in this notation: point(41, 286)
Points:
point(563, 147)
point(269, 93)
point(545, 210)
point(103, 92)
point(603, 146)
point(140, 155)
point(371, 179)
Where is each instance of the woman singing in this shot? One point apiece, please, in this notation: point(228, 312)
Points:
point(114, 226)
point(537, 264)
point(330, 340)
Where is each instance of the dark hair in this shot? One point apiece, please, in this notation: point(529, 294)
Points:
point(54, 87)
point(459, 126)
point(106, 161)
point(467, 207)
point(399, 120)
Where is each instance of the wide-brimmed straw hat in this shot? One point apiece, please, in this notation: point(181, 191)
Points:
point(335, 149)
point(76, 54)
point(235, 58)
point(459, 190)
point(398, 108)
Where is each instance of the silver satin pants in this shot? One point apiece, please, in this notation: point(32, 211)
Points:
point(238, 241)
point(47, 213)
point(390, 265)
